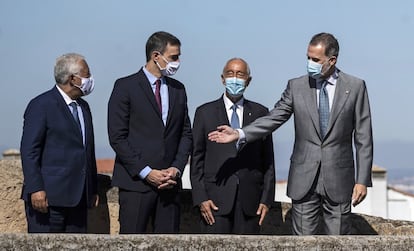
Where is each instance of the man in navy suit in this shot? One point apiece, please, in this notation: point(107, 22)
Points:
point(150, 132)
point(233, 189)
point(58, 152)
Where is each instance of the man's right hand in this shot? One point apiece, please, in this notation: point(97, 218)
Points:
point(224, 134)
point(39, 201)
point(205, 209)
point(157, 177)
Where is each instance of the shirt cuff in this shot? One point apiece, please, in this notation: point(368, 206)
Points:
point(242, 137)
point(144, 172)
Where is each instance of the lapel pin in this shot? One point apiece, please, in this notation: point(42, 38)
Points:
point(250, 114)
point(347, 92)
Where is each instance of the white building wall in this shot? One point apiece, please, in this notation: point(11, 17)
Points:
point(375, 203)
point(401, 206)
point(280, 192)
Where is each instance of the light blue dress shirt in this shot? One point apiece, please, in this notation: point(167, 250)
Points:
point(164, 104)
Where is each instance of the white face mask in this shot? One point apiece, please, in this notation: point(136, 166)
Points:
point(170, 69)
point(87, 86)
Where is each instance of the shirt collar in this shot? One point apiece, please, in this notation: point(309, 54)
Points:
point(228, 103)
point(151, 78)
point(331, 79)
point(65, 96)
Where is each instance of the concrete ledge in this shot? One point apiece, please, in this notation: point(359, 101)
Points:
point(202, 242)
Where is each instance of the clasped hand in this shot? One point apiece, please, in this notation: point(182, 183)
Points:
point(163, 179)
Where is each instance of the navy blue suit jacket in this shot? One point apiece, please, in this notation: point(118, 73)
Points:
point(138, 135)
point(54, 158)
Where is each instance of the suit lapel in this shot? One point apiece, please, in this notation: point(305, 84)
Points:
point(221, 113)
point(172, 99)
point(222, 119)
point(146, 88)
point(87, 120)
point(342, 92)
point(64, 109)
point(248, 116)
point(309, 95)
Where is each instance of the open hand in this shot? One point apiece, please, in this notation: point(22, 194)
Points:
point(224, 134)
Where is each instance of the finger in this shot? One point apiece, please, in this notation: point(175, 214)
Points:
point(163, 186)
point(213, 206)
point(172, 182)
point(262, 216)
point(210, 217)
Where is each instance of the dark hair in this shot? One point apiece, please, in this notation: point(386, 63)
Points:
point(329, 41)
point(159, 41)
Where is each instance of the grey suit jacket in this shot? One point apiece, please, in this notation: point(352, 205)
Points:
point(349, 121)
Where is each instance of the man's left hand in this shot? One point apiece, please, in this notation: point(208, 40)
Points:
point(172, 181)
point(359, 194)
point(262, 211)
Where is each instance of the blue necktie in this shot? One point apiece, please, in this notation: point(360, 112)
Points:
point(234, 118)
point(323, 108)
point(75, 115)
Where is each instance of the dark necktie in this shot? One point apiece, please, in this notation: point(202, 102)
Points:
point(158, 94)
point(234, 118)
point(75, 115)
point(323, 108)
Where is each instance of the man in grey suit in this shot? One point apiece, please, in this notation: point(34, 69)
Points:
point(331, 110)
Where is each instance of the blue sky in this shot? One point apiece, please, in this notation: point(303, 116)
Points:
point(376, 44)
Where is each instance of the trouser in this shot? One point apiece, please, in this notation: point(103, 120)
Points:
point(236, 222)
point(316, 205)
point(137, 208)
point(58, 219)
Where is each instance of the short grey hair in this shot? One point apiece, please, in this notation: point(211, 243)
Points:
point(238, 59)
point(67, 65)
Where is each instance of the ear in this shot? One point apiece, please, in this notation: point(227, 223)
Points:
point(333, 60)
point(155, 55)
point(248, 81)
point(223, 79)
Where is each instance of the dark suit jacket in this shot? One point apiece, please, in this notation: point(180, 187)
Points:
point(349, 122)
point(217, 168)
point(138, 135)
point(54, 158)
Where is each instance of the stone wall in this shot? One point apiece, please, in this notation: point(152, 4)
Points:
point(104, 218)
point(370, 233)
point(61, 242)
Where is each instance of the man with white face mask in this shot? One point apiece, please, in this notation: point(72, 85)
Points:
point(331, 112)
point(233, 187)
point(58, 152)
point(150, 132)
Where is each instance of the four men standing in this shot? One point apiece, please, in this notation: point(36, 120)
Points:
point(150, 132)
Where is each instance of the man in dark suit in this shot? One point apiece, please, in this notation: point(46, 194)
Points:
point(58, 152)
point(331, 111)
point(150, 132)
point(234, 189)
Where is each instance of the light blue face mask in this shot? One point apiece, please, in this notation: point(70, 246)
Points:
point(314, 69)
point(235, 86)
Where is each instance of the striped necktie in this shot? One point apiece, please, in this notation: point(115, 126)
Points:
point(234, 118)
point(323, 108)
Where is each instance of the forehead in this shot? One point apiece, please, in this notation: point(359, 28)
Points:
point(316, 51)
point(172, 49)
point(236, 65)
point(84, 68)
